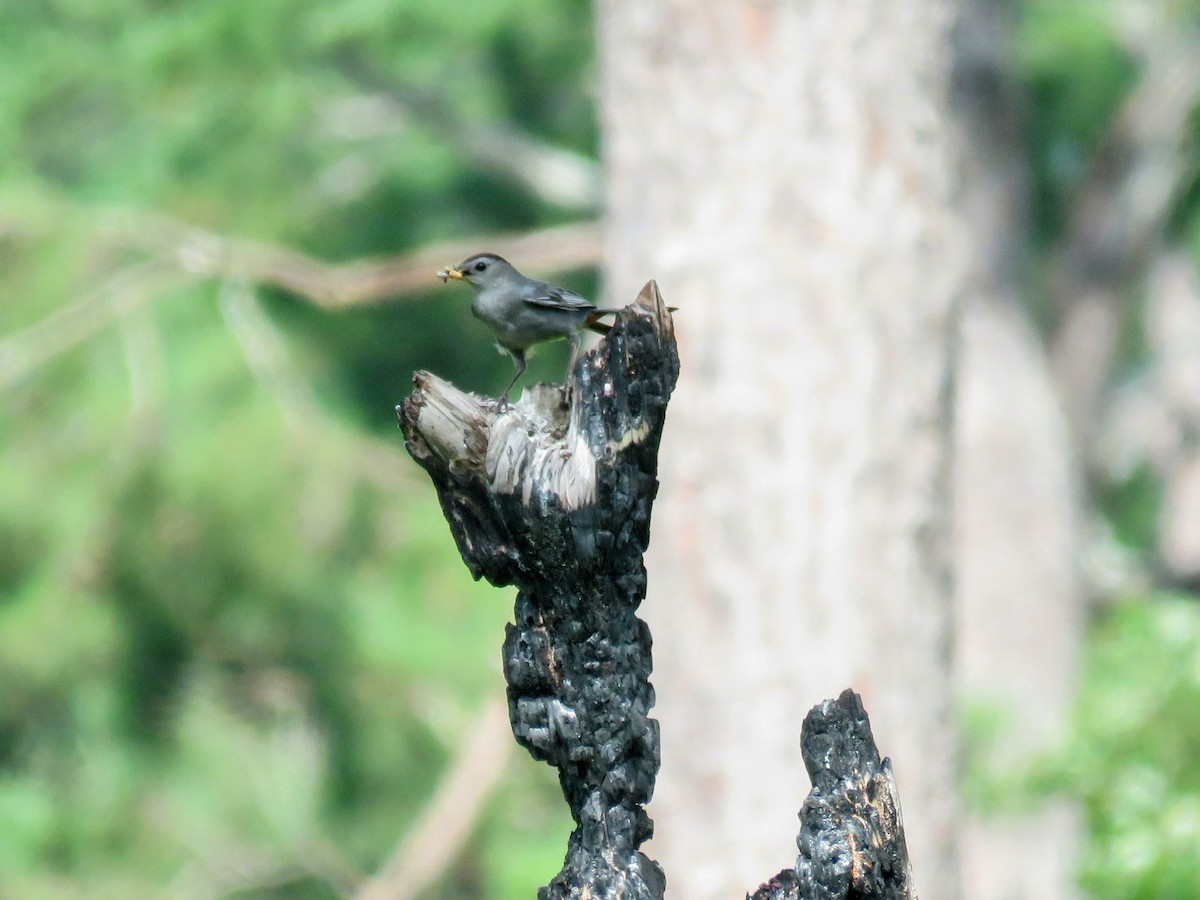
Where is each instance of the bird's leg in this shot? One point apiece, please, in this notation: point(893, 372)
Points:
point(575, 342)
point(518, 358)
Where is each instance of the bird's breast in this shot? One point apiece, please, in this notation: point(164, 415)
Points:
point(518, 324)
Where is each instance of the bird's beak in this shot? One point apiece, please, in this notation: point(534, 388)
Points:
point(450, 272)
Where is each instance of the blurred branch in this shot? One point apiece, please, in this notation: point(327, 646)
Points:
point(144, 362)
point(183, 253)
point(1122, 207)
point(555, 175)
point(23, 351)
point(239, 872)
point(1138, 170)
point(438, 836)
point(1155, 422)
point(204, 253)
point(266, 353)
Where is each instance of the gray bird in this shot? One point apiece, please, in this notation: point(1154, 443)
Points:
point(522, 311)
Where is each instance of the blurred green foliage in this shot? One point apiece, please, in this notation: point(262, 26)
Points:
point(233, 658)
point(1076, 72)
point(1130, 754)
point(1134, 756)
point(236, 649)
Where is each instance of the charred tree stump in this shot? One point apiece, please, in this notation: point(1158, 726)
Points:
point(555, 499)
point(851, 837)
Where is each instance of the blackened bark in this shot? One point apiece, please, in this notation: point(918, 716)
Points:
point(851, 837)
point(556, 500)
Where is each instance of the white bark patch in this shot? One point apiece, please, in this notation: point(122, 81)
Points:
point(530, 449)
point(453, 423)
point(629, 438)
point(523, 458)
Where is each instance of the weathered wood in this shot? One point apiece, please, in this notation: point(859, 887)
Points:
point(555, 499)
point(851, 837)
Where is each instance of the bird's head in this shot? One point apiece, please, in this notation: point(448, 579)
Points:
point(481, 270)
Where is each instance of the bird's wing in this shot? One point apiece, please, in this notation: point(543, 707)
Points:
point(551, 296)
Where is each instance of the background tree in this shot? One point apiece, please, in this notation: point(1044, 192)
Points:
point(788, 173)
point(1019, 596)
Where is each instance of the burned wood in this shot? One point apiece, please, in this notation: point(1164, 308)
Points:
point(555, 498)
point(851, 837)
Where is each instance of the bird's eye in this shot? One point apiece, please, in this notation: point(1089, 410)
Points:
point(480, 266)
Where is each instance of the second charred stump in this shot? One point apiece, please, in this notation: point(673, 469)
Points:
point(851, 837)
point(555, 498)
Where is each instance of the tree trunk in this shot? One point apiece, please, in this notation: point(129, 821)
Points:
point(554, 495)
point(787, 172)
point(555, 498)
point(1017, 490)
point(851, 838)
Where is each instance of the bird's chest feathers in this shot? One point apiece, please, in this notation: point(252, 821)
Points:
point(495, 312)
point(517, 324)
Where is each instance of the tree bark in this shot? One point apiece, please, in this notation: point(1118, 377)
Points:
point(788, 170)
point(554, 495)
point(556, 498)
point(851, 835)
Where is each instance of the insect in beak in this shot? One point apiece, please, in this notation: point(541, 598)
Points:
point(449, 272)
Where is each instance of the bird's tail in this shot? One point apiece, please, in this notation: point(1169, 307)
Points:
point(593, 322)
